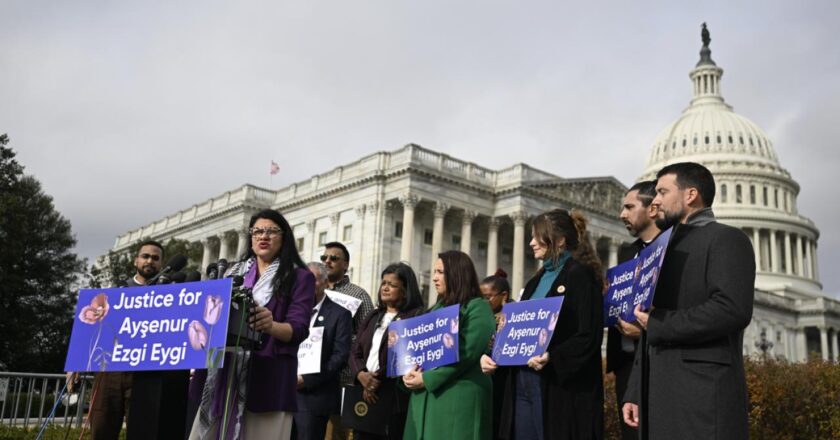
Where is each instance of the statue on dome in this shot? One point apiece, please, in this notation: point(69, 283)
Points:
point(704, 34)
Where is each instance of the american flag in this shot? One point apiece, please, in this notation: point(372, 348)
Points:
point(274, 168)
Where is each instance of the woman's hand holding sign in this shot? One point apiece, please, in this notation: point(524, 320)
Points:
point(538, 362)
point(413, 380)
point(488, 365)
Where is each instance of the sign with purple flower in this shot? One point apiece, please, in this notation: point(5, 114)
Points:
point(525, 329)
point(427, 341)
point(165, 327)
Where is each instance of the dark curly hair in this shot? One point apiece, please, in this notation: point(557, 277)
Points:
point(551, 226)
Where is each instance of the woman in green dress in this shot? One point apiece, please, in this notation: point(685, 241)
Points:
point(455, 401)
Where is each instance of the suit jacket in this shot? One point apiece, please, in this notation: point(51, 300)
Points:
point(572, 384)
point(693, 386)
point(321, 392)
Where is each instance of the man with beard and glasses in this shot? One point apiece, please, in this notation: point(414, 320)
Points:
point(638, 215)
point(336, 258)
point(112, 390)
point(691, 383)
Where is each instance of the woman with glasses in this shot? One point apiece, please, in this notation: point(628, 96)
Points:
point(559, 395)
point(254, 395)
point(454, 401)
point(399, 297)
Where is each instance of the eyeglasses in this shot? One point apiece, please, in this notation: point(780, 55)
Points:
point(152, 257)
point(271, 232)
point(332, 258)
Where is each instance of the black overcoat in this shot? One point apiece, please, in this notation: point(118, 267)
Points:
point(695, 385)
point(572, 384)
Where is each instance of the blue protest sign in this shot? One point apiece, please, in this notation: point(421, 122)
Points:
point(648, 264)
point(165, 327)
point(619, 296)
point(525, 329)
point(429, 340)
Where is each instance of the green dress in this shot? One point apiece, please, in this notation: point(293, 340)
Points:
point(457, 401)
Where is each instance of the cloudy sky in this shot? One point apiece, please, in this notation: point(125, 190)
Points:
point(129, 111)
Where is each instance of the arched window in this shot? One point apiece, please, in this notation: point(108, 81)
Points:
point(723, 193)
point(738, 194)
point(752, 194)
point(765, 196)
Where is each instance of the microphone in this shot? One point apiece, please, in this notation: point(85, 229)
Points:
point(212, 271)
point(222, 266)
point(175, 264)
point(238, 281)
point(177, 277)
point(193, 275)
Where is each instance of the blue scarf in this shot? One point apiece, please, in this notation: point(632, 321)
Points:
point(551, 269)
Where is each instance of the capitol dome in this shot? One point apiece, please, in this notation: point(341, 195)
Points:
point(754, 192)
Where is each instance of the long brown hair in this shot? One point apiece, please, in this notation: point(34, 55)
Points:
point(460, 277)
point(551, 226)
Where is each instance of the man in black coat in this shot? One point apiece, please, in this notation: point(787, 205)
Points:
point(691, 384)
point(639, 215)
point(319, 395)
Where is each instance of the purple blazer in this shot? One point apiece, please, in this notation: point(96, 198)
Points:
point(272, 378)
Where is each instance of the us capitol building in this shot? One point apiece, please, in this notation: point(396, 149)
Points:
point(412, 203)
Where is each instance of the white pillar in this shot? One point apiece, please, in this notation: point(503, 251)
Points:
point(834, 346)
point(824, 342)
point(333, 232)
point(242, 243)
point(224, 245)
point(466, 231)
point(613, 261)
point(800, 263)
point(519, 219)
point(492, 245)
point(801, 345)
point(409, 202)
point(756, 239)
point(310, 230)
point(809, 256)
point(437, 244)
point(774, 253)
point(816, 261)
point(788, 260)
point(358, 237)
point(206, 255)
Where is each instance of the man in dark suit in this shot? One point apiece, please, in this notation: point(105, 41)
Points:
point(319, 395)
point(638, 215)
point(692, 384)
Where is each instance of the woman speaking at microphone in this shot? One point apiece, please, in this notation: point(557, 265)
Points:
point(559, 395)
point(399, 298)
point(256, 399)
point(455, 401)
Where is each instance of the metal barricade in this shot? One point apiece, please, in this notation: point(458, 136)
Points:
point(27, 398)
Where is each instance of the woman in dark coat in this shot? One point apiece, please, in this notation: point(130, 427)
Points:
point(559, 395)
point(398, 298)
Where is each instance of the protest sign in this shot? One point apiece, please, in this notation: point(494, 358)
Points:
point(429, 341)
point(165, 327)
point(619, 296)
point(648, 264)
point(525, 329)
point(348, 302)
point(309, 352)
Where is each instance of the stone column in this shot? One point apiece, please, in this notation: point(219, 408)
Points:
point(613, 260)
point(437, 237)
point(242, 243)
point(810, 257)
point(800, 260)
point(333, 233)
point(466, 231)
point(310, 231)
point(816, 261)
point(756, 240)
point(824, 342)
point(409, 202)
point(492, 245)
point(834, 346)
point(224, 245)
point(774, 253)
point(801, 345)
point(519, 218)
point(358, 238)
point(788, 260)
point(207, 254)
